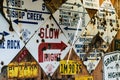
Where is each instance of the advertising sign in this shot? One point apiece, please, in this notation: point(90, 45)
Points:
point(70, 67)
point(111, 63)
point(10, 44)
point(50, 46)
point(78, 77)
point(26, 16)
point(22, 70)
point(91, 4)
point(72, 18)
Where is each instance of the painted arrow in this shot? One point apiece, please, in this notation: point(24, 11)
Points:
point(43, 46)
point(66, 28)
point(4, 33)
point(27, 22)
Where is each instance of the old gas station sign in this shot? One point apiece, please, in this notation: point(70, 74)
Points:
point(111, 63)
point(70, 67)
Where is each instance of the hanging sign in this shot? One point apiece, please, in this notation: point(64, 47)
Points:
point(26, 16)
point(22, 70)
point(111, 63)
point(10, 44)
point(70, 67)
point(72, 18)
point(50, 46)
point(78, 77)
point(91, 4)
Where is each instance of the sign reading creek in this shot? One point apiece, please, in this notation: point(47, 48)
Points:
point(24, 17)
point(112, 66)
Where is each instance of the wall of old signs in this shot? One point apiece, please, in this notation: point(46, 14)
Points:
point(57, 39)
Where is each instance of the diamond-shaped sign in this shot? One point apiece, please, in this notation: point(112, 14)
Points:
point(72, 18)
point(10, 43)
point(48, 46)
point(26, 16)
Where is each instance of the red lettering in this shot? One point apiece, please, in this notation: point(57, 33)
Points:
point(46, 33)
point(56, 33)
point(41, 32)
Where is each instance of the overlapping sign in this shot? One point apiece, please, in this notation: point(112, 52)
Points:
point(72, 17)
point(104, 22)
point(10, 43)
point(111, 63)
point(49, 46)
point(26, 16)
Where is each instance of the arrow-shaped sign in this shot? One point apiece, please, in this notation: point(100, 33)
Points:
point(66, 28)
point(27, 22)
point(43, 46)
point(4, 33)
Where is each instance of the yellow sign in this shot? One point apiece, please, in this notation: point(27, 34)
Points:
point(70, 67)
point(83, 77)
point(22, 70)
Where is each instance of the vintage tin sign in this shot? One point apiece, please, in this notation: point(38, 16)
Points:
point(48, 46)
point(10, 43)
point(26, 16)
point(72, 18)
point(70, 67)
point(111, 64)
point(91, 4)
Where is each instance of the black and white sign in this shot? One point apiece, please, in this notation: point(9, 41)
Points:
point(111, 63)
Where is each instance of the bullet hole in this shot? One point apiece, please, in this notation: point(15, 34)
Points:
point(50, 17)
point(113, 37)
point(21, 38)
point(2, 63)
point(111, 24)
point(102, 33)
point(51, 29)
point(72, 7)
point(38, 34)
point(37, 41)
point(52, 24)
point(75, 3)
point(42, 40)
point(47, 25)
point(73, 19)
point(60, 20)
point(69, 13)
point(118, 25)
point(43, 48)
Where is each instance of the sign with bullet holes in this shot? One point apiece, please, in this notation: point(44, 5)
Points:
point(10, 43)
point(111, 65)
point(105, 23)
point(72, 18)
point(24, 17)
point(50, 46)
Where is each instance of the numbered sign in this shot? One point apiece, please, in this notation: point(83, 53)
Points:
point(10, 44)
point(70, 67)
point(50, 46)
point(72, 18)
point(26, 16)
point(111, 63)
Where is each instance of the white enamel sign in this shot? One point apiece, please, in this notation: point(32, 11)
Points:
point(72, 18)
point(91, 4)
point(111, 63)
point(48, 46)
point(26, 16)
point(10, 44)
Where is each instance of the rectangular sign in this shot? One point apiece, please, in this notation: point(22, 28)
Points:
point(111, 63)
point(22, 70)
point(92, 4)
point(83, 77)
point(70, 67)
